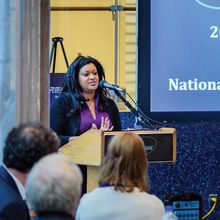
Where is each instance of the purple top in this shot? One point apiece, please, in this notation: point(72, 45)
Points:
point(86, 118)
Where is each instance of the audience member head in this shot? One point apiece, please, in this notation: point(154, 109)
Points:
point(125, 165)
point(71, 80)
point(26, 144)
point(54, 185)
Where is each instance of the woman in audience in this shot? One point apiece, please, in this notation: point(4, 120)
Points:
point(123, 191)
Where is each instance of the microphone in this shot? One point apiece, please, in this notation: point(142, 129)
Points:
point(104, 84)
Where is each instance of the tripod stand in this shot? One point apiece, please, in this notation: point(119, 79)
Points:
point(54, 51)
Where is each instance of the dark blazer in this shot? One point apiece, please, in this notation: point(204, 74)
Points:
point(12, 206)
point(66, 124)
point(54, 216)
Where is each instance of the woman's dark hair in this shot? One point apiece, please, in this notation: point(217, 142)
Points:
point(71, 86)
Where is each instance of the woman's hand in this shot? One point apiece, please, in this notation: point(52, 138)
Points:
point(72, 138)
point(105, 125)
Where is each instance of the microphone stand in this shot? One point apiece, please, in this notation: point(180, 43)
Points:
point(137, 115)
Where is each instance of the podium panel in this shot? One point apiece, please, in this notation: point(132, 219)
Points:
point(86, 149)
point(160, 145)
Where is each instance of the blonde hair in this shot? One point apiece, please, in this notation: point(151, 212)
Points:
point(125, 165)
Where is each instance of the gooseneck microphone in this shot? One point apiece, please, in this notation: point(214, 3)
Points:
point(142, 120)
point(104, 84)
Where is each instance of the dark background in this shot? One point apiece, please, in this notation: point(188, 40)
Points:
point(197, 167)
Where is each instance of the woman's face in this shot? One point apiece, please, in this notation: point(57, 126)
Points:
point(88, 78)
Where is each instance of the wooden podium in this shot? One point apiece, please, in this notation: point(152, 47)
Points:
point(89, 149)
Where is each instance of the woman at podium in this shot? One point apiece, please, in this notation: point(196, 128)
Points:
point(123, 191)
point(82, 104)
